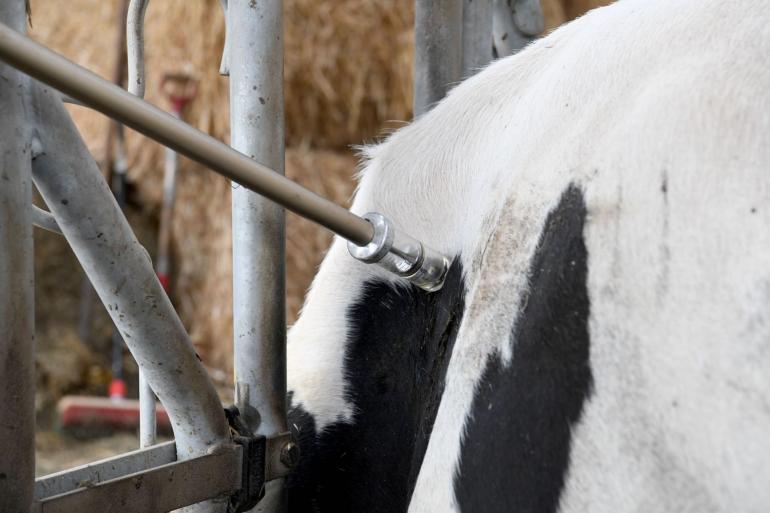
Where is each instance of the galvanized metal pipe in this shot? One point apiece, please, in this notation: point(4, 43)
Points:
point(53, 69)
point(477, 35)
point(135, 46)
point(255, 32)
point(136, 86)
point(224, 65)
point(17, 385)
point(122, 274)
point(438, 57)
point(148, 426)
point(44, 220)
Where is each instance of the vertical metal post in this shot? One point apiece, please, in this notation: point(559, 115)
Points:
point(17, 386)
point(477, 35)
point(147, 422)
point(255, 56)
point(136, 85)
point(438, 50)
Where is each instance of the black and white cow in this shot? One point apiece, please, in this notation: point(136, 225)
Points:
point(602, 343)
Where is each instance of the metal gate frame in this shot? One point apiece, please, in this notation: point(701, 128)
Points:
point(218, 457)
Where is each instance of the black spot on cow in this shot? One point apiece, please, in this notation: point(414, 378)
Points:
point(400, 344)
point(516, 451)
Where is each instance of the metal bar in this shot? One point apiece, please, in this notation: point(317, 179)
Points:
point(148, 426)
point(135, 46)
point(44, 220)
point(17, 388)
point(53, 69)
point(104, 470)
point(438, 50)
point(136, 86)
point(477, 35)
point(257, 130)
point(224, 65)
point(159, 489)
point(122, 274)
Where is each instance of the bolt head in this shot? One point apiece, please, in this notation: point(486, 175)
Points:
point(290, 454)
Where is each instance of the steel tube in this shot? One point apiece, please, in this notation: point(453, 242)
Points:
point(53, 69)
point(17, 385)
point(438, 51)
point(44, 220)
point(122, 274)
point(477, 35)
point(135, 46)
point(257, 130)
point(148, 426)
point(136, 86)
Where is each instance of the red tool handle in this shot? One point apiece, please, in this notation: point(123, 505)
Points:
point(180, 88)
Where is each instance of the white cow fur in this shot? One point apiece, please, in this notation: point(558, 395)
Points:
point(616, 102)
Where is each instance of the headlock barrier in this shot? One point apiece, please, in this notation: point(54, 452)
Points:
point(220, 459)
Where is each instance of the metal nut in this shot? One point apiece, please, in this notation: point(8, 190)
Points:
point(290, 454)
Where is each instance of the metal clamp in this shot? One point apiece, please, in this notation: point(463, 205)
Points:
point(264, 459)
point(252, 465)
point(401, 254)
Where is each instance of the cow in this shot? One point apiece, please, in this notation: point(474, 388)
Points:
point(602, 340)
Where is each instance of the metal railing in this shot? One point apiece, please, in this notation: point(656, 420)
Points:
point(219, 459)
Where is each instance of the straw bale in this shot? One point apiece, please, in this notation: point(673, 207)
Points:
point(348, 77)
